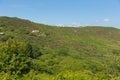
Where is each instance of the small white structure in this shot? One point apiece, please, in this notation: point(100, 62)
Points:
point(1, 33)
point(35, 31)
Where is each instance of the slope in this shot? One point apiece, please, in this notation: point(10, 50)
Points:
point(94, 50)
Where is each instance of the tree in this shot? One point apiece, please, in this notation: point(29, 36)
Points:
point(14, 57)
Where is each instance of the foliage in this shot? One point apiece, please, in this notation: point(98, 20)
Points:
point(14, 57)
point(80, 75)
point(58, 53)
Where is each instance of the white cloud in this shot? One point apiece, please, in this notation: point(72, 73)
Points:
point(61, 25)
point(97, 21)
point(68, 25)
point(75, 24)
point(106, 20)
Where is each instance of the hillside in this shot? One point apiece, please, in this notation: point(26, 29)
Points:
point(61, 53)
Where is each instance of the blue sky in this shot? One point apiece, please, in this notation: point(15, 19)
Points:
point(64, 12)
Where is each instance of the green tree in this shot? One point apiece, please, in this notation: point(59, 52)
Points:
point(14, 57)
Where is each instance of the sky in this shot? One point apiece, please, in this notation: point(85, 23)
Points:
point(64, 12)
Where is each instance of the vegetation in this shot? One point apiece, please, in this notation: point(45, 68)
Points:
point(57, 53)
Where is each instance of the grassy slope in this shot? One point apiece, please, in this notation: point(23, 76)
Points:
point(83, 48)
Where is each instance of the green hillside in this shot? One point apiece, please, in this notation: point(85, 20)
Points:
point(32, 51)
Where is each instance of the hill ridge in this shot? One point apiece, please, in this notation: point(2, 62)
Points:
point(79, 53)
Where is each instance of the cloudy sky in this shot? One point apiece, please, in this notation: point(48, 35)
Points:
point(64, 12)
